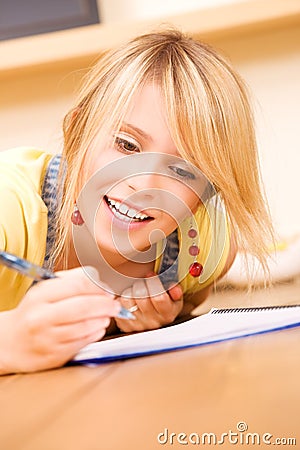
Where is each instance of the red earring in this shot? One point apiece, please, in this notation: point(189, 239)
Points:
point(195, 268)
point(76, 217)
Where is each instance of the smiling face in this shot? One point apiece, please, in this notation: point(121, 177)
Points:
point(145, 207)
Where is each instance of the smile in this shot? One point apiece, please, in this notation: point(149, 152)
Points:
point(124, 212)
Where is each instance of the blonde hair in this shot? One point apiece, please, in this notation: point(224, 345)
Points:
point(209, 117)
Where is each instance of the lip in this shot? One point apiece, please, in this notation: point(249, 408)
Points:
point(130, 224)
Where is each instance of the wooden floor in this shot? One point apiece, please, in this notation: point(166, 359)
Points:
point(247, 385)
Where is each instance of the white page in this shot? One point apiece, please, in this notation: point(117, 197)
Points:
point(207, 328)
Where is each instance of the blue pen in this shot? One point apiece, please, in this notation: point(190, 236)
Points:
point(38, 273)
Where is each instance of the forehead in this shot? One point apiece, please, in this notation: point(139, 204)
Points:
point(147, 112)
point(146, 103)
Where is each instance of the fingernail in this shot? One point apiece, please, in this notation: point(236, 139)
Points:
point(125, 314)
point(176, 293)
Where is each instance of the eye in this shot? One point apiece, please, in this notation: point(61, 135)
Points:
point(126, 146)
point(182, 172)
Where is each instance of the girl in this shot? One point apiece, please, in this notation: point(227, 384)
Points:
point(155, 120)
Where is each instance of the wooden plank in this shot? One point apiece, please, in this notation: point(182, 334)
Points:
point(30, 402)
point(208, 389)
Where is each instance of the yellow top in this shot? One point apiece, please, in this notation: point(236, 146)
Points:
point(24, 223)
point(23, 217)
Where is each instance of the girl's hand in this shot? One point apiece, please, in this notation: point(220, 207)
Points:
point(55, 319)
point(153, 310)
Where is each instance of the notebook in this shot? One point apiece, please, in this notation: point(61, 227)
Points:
point(215, 326)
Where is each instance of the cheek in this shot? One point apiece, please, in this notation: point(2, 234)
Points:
point(187, 196)
point(99, 154)
point(194, 202)
point(98, 162)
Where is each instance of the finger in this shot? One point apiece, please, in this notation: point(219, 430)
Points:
point(128, 302)
point(161, 300)
point(175, 292)
point(130, 326)
point(142, 298)
point(130, 296)
point(69, 350)
point(154, 286)
point(80, 331)
point(158, 302)
point(135, 305)
point(126, 299)
point(139, 290)
point(81, 308)
point(67, 284)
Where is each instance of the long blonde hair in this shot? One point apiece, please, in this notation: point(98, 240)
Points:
point(209, 117)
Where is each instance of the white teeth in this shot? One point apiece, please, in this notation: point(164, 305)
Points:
point(121, 216)
point(141, 216)
point(131, 213)
point(123, 212)
point(123, 209)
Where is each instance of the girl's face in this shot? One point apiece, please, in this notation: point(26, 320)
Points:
point(133, 206)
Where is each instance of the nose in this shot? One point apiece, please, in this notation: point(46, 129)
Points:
point(146, 183)
point(155, 191)
point(145, 190)
point(147, 174)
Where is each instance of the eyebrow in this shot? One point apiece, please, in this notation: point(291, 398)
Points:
point(138, 131)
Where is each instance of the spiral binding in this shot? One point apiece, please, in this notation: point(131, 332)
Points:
point(252, 309)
